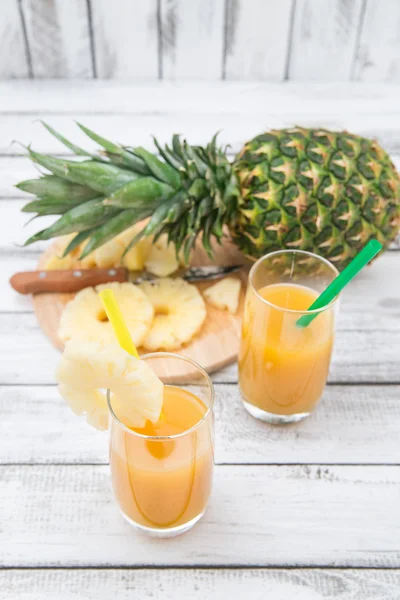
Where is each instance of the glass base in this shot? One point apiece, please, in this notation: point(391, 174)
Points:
point(272, 418)
point(166, 532)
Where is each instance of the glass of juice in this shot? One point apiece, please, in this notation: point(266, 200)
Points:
point(283, 367)
point(162, 473)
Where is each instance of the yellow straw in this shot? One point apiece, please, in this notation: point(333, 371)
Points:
point(117, 321)
point(120, 327)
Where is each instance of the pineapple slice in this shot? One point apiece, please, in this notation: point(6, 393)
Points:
point(161, 259)
point(224, 294)
point(179, 313)
point(84, 317)
point(87, 367)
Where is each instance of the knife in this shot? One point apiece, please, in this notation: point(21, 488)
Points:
point(36, 282)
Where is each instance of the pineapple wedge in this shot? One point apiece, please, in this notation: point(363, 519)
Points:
point(224, 294)
point(161, 259)
point(71, 261)
point(84, 317)
point(87, 367)
point(179, 313)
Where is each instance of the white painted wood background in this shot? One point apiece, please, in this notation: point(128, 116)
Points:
point(310, 511)
point(270, 40)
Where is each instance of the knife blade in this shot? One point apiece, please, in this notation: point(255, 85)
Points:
point(66, 281)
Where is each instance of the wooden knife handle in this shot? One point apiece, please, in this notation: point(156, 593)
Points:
point(36, 282)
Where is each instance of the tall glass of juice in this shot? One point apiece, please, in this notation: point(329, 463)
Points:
point(283, 367)
point(162, 473)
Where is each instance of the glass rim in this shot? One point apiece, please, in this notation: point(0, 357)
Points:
point(290, 310)
point(163, 438)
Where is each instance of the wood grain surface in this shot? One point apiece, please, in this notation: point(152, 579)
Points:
point(58, 38)
point(351, 425)
point(191, 40)
point(322, 495)
point(258, 516)
point(271, 40)
point(197, 584)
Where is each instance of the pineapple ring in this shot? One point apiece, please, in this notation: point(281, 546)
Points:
point(84, 317)
point(87, 367)
point(179, 313)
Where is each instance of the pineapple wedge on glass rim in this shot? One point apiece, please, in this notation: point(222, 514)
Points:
point(88, 367)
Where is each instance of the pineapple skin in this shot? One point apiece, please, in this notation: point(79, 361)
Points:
point(316, 190)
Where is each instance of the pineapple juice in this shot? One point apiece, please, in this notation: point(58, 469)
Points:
point(162, 482)
point(283, 367)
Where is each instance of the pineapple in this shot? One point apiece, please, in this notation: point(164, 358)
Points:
point(111, 254)
point(134, 258)
point(179, 313)
point(87, 367)
point(84, 317)
point(161, 259)
point(58, 261)
point(224, 294)
point(310, 189)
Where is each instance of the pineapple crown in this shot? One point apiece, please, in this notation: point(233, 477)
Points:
point(185, 191)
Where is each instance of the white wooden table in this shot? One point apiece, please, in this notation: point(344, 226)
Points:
point(309, 511)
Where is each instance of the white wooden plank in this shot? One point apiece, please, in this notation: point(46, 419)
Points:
point(13, 54)
point(192, 39)
point(378, 54)
point(15, 228)
point(137, 130)
point(124, 97)
point(257, 39)
point(125, 38)
point(352, 425)
point(12, 170)
point(10, 264)
point(197, 584)
point(362, 356)
point(58, 37)
point(265, 516)
point(324, 39)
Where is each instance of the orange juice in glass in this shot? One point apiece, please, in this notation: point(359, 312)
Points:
point(162, 473)
point(283, 367)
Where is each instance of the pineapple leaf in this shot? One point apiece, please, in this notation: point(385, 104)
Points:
point(102, 177)
point(44, 207)
point(128, 159)
point(160, 170)
point(145, 190)
point(76, 149)
point(77, 241)
point(84, 216)
point(167, 155)
point(177, 146)
point(114, 226)
point(192, 155)
point(54, 189)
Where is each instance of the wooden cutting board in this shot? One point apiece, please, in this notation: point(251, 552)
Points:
point(216, 345)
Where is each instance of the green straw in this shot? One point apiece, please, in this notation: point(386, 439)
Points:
point(334, 288)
